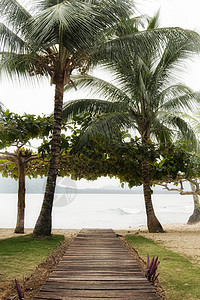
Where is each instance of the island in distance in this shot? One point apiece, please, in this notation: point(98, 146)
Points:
point(37, 186)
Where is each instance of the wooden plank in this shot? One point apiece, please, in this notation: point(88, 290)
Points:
point(132, 281)
point(97, 294)
point(50, 286)
point(139, 297)
point(97, 269)
point(102, 298)
point(97, 266)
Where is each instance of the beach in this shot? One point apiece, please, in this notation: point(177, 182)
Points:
point(179, 237)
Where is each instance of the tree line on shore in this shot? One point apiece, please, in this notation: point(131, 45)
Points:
point(62, 37)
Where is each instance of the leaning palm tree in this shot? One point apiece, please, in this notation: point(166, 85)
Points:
point(52, 39)
point(145, 95)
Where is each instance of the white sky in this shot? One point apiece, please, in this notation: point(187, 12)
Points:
point(38, 98)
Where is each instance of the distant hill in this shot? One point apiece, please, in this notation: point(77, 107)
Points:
point(37, 186)
point(10, 186)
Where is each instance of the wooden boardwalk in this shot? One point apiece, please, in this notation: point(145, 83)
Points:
point(97, 266)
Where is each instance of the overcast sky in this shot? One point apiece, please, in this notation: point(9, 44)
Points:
point(38, 98)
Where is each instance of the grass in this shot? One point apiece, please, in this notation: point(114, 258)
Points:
point(178, 276)
point(20, 255)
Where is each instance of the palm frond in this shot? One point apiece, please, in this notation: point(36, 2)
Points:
point(160, 131)
point(129, 26)
point(40, 5)
point(186, 102)
point(10, 41)
point(93, 106)
point(110, 12)
point(2, 107)
point(19, 64)
point(173, 52)
point(81, 22)
point(14, 14)
point(183, 127)
point(154, 21)
point(194, 121)
point(107, 125)
point(98, 87)
point(73, 17)
point(144, 43)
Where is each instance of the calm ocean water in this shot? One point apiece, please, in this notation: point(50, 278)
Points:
point(98, 210)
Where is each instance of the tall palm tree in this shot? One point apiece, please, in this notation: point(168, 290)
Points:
point(52, 39)
point(145, 96)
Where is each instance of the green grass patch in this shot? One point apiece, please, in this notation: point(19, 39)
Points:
point(20, 255)
point(178, 276)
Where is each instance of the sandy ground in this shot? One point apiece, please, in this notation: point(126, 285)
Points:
point(9, 232)
point(181, 238)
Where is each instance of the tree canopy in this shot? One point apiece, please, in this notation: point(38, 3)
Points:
point(18, 131)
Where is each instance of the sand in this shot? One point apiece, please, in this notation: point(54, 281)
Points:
point(181, 238)
point(9, 232)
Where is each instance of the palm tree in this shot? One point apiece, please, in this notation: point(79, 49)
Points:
point(52, 39)
point(145, 96)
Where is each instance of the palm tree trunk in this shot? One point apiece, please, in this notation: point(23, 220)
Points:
point(21, 196)
point(152, 222)
point(195, 217)
point(44, 222)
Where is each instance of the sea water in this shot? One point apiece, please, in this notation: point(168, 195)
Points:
point(98, 210)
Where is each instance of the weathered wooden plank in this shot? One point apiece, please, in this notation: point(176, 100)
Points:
point(101, 283)
point(97, 249)
point(54, 286)
point(109, 256)
point(134, 280)
point(102, 298)
point(97, 294)
point(107, 275)
point(99, 269)
point(96, 271)
point(97, 266)
point(96, 261)
point(93, 269)
point(100, 277)
point(138, 297)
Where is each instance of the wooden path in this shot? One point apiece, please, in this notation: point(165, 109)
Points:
point(97, 266)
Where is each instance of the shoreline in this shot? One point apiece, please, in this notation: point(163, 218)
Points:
point(174, 227)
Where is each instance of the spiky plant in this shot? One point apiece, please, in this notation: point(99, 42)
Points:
point(152, 268)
